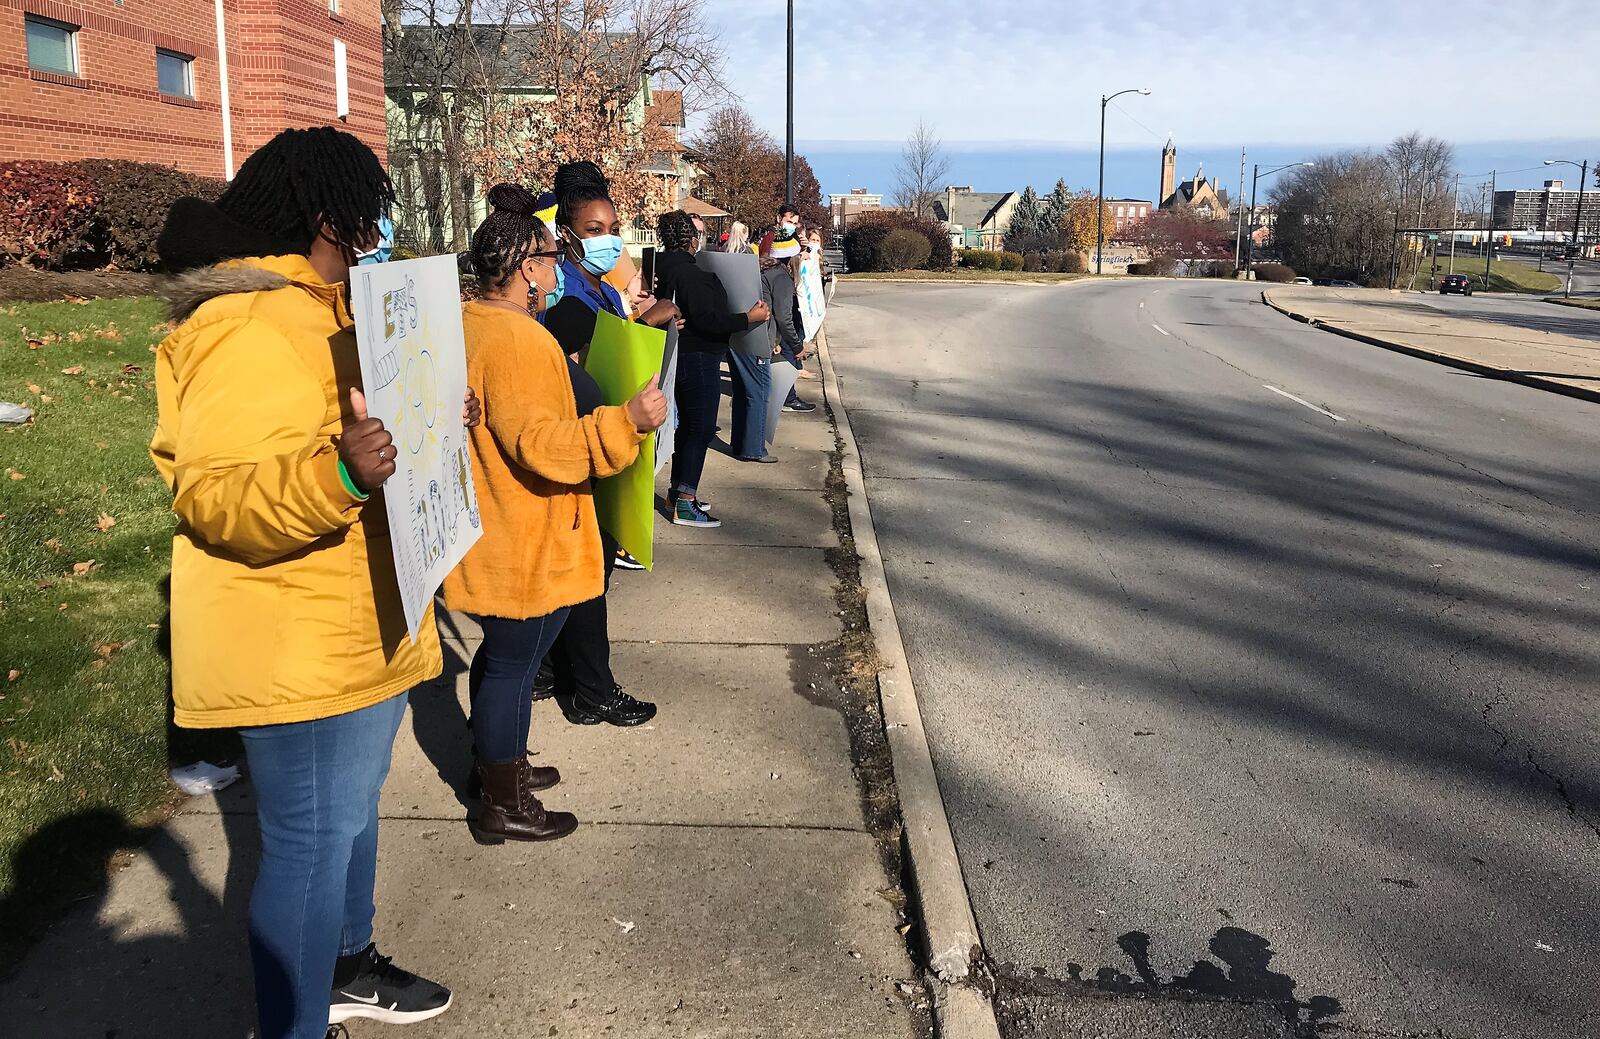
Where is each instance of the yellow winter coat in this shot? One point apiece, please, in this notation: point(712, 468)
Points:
point(285, 605)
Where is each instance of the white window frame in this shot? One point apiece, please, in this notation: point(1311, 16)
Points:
point(341, 80)
point(72, 36)
point(188, 73)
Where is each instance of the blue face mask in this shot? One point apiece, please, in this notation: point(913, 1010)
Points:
point(789, 228)
point(552, 298)
point(601, 253)
point(381, 252)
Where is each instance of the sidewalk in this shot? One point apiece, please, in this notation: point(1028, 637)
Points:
point(1548, 357)
point(723, 880)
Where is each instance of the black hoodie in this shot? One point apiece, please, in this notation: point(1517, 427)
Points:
point(707, 319)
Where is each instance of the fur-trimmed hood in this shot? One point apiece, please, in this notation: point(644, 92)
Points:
point(185, 293)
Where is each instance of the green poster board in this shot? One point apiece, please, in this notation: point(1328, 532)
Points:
point(622, 357)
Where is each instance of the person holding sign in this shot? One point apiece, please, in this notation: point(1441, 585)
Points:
point(540, 554)
point(579, 664)
point(708, 322)
point(287, 621)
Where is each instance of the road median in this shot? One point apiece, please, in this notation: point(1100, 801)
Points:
point(1553, 358)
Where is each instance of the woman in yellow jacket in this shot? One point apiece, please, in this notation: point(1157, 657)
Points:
point(286, 616)
point(544, 436)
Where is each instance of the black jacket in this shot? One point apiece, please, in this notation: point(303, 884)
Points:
point(707, 319)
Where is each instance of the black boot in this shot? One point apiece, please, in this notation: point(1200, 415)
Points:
point(619, 708)
point(535, 777)
point(511, 812)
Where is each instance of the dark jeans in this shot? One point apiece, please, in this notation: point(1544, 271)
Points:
point(500, 682)
point(752, 381)
point(790, 356)
point(699, 391)
point(581, 655)
point(316, 786)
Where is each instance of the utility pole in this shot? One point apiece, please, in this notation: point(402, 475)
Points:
point(1238, 236)
point(1488, 235)
point(788, 140)
point(1455, 220)
point(1577, 219)
point(1394, 252)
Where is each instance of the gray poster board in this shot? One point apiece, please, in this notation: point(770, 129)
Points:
point(740, 274)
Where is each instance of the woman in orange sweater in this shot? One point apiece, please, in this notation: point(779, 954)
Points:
point(533, 457)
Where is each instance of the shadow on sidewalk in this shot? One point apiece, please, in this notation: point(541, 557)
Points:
point(437, 720)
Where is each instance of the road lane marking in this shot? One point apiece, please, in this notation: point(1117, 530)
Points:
point(1304, 403)
point(1158, 328)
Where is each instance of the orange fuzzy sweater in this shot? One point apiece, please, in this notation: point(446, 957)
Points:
point(532, 459)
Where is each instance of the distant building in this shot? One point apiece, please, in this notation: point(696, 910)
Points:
point(187, 83)
point(975, 219)
point(1126, 212)
point(1197, 195)
point(1551, 208)
point(846, 208)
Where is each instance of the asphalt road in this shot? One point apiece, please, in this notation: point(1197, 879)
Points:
point(1229, 696)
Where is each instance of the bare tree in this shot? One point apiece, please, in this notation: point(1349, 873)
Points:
point(921, 170)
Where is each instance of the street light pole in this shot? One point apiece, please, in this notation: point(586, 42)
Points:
point(1255, 177)
point(1577, 217)
point(788, 140)
point(1238, 234)
point(1100, 195)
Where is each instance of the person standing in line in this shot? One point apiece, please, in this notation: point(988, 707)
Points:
point(579, 665)
point(778, 276)
point(708, 324)
point(751, 378)
point(534, 458)
point(787, 226)
point(811, 238)
point(738, 238)
point(286, 616)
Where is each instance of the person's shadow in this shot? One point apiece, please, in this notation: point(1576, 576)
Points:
point(437, 720)
point(1246, 977)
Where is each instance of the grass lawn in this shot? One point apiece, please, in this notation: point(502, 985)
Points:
point(1504, 275)
point(85, 535)
point(963, 274)
point(1586, 304)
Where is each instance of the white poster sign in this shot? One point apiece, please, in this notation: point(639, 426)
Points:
point(813, 304)
point(784, 376)
point(414, 370)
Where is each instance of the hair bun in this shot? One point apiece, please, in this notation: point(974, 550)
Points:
point(581, 175)
point(511, 198)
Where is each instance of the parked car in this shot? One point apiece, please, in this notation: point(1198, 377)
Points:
point(1458, 283)
point(1302, 281)
point(1341, 283)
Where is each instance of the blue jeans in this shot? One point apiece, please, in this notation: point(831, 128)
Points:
point(698, 392)
point(316, 787)
point(752, 381)
point(500, 682)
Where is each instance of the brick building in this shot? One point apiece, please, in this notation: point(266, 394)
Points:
point(147, 79)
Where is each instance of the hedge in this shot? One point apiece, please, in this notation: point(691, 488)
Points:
point(980, 259)
point(864, 241)
point(1278, 272)
point(91, 213)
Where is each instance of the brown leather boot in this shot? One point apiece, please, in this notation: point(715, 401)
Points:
point(511, 812)
point(534, 777)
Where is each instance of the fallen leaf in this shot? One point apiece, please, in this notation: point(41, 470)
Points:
point(96, 665)
point(79, 300)
point(13, 675)
point(105, 522)
point(56, 775)
point(101, 444)
point(76, 369)
point(105, 649)
point(45, 398)
point(15, 475)
point(79, 569)
point(44, 586)
point(53, 544)
point(626, 925)
point(131, 369)
point(34, 388)
point(34, 344)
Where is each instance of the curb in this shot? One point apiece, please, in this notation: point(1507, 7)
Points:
point(847, 280)
point(951, 943)
point(1493, 371)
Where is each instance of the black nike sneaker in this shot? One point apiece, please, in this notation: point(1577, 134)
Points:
point(379, 990)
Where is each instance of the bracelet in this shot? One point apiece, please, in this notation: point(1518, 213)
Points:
point(350, 484)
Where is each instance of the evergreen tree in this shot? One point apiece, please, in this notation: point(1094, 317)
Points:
point(1058, 210)
point(1027, 224)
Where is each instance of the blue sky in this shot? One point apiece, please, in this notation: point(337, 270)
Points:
point(1006, 83)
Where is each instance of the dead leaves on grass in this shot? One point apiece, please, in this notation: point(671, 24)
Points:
point(105, 522)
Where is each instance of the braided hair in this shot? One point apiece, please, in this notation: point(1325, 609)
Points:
point(302, 179)
point(676, 231)
point(578, 184)
point(507, 235)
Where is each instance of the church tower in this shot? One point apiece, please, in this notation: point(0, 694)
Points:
point(1169, 173)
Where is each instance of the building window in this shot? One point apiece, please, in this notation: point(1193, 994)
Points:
point(174, 74)
point(341, 81)
point(52, 46)
point(333, 7)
